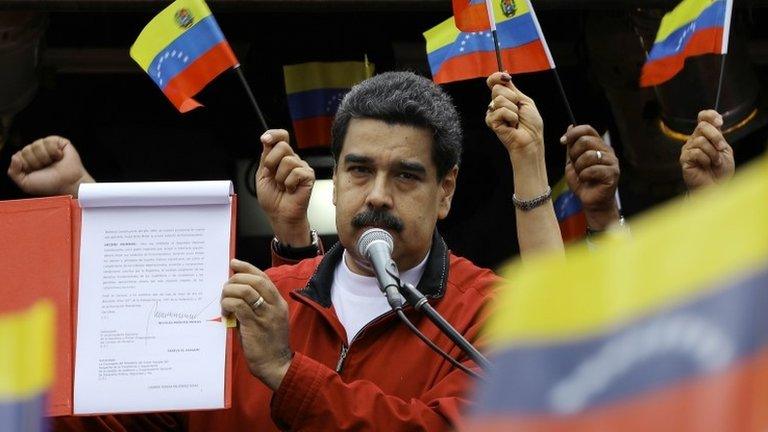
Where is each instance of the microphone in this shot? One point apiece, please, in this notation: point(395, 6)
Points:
point(376, 246)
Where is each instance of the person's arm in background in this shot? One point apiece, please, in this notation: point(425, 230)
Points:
point(706, 158)
point(283, 187)
point(514, 118)
point(592, 172)
point(48, 166)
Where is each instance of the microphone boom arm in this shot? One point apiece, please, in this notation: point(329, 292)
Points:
point(420, 303)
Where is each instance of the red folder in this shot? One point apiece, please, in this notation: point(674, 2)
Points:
point(39, 258)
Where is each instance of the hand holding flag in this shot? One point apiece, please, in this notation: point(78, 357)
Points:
point(706, 158)
point(592, 173)
point(513, 116)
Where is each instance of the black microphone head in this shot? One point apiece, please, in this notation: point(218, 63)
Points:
point(373, 236)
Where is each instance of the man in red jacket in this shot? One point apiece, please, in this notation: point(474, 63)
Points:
point(319, 348)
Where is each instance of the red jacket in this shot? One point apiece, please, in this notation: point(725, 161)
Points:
point(386, 379)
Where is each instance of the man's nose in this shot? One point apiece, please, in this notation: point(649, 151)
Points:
point(380, 195)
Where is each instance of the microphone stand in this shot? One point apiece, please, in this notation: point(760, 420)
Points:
point(419, 302)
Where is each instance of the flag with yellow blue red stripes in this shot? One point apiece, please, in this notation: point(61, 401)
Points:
point(26, 366)
point(663, 329)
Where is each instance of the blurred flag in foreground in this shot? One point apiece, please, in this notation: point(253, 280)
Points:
point(455, 55)
point(183, 49)
point(26, 367)
point(694, 27)
point(315, 91)
point(662, 330)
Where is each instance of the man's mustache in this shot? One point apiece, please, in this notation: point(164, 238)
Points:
point(378, 218)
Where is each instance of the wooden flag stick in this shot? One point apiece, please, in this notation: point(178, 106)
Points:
point(252, 98)
point(492, 21)
point(720, 83)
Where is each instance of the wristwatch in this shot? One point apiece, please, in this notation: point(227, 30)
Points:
point(295, 253)
point(621, 223)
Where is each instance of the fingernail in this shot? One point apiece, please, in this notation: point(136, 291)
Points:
point(570, 126)
point(563, 139)
point(266, 138)
point(506, 77)
point(719, 121)
point(722, 145)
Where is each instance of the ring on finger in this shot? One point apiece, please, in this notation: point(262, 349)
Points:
point(258, 302)
point(492, 106)
point(599, 155)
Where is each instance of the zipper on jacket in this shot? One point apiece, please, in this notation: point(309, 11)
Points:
point(345, 348)
point(342, 356)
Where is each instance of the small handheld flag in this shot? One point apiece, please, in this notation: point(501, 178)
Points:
point(455, 55)
point(694, 27)
point(315, 91)
point(472, 15)
point(183, 49)
point(569, 212)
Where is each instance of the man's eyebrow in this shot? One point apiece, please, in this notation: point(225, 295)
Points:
point(357, 159)
point(411, 166)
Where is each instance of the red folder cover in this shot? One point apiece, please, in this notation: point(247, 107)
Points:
point(39, 254)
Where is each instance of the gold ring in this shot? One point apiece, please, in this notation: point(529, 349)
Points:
point(255, 305)
point(599, 155)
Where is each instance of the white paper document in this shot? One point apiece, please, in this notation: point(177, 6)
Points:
point(153, 260)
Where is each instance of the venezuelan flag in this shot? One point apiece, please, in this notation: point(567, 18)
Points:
point(472, 15)
point(455, 55)
point(26, 367)
point(664, 330)
point(570, 215)
point(183, 49)
point(694, 27)
point(315, 91)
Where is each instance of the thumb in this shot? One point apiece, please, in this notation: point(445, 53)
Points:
point(16, 169)
point(267, 142)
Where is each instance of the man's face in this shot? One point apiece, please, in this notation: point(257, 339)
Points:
point(386, 178)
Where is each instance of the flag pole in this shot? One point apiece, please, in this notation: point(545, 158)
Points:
point(571, 117)
point(720, 83)
point(251, 97)
point(724, 49)
point(492, 21)
point(565, 98)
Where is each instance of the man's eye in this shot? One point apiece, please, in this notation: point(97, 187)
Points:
point(358, 169)
point(408, 176)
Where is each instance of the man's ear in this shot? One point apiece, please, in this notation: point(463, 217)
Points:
point(447, 189)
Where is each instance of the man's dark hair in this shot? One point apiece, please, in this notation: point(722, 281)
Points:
point(403, 98)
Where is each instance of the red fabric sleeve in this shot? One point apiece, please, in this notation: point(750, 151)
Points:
point(153, 422)
point(313, 397)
